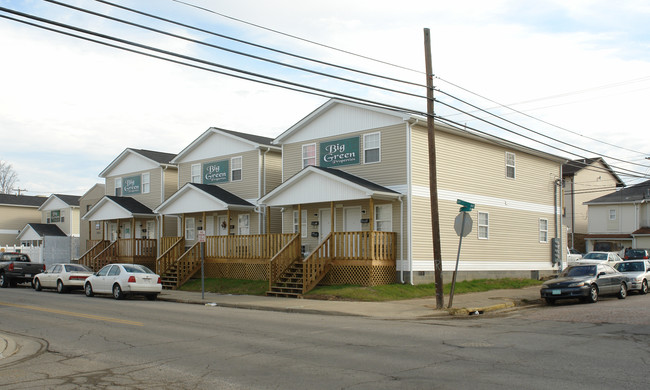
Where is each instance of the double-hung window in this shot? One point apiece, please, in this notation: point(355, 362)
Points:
point(543, 230)
point(235, 168)
point(118, 186)
point(371, 148)
point(612, 214)
point(189, 229)
point(302, 221)
point(483, 226)
point(195, 174)
point(384, 217)
point(146, 183)
point(510, 165)
point(308, 155)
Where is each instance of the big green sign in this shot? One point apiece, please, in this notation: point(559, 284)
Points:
point(215, 172)
point(131, 185)
point(340, 152)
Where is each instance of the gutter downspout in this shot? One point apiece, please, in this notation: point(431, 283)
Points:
point(409, 194)
point(573, 211)
point(401, 241)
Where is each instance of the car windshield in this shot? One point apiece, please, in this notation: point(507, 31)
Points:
point(137, 269)
point(15, 257)
point(77, 268)
point(634, 266)
point(635, 253)
point(596, 256)
point(585, 270)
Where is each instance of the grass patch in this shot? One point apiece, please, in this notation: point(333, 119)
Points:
point(388, 292)
point(394, 292)
point(228, 286)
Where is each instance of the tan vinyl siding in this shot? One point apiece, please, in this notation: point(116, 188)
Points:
point(15, 218)
point(247, 188)
point(589, 183)
point(171, 182)
point(74, 221)
point(391, 170)
point(273, 169)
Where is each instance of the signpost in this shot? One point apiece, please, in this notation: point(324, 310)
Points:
point(202, 245)
point(463, 226)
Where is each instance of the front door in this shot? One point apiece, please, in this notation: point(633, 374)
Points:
point(151, 230)
point(222, 229)
point(324, 223)
point(209, 225)
point(112, 231)
point(352, 219)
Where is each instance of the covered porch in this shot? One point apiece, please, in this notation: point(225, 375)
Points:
point(343, 228)
point(128, 233)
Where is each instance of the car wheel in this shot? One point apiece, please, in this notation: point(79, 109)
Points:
point(88, 289)
point(644, 287)
point(117, 292)
point(152, 297)
point(593, 294)
point(622, 292)
point(550, 301)
point(60, 288)
point(4, 281)
point(37, 285)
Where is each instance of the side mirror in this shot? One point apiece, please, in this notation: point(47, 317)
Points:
point(601, 274)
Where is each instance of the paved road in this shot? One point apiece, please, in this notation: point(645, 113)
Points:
point(101, 343)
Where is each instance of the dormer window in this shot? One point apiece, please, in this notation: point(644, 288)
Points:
point(118, 186)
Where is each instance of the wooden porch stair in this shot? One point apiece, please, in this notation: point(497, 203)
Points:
point(290, 282)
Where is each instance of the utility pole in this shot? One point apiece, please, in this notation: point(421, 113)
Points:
point(19, 190)
point(433, 176)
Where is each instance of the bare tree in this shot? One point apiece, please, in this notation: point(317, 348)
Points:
point(8, 177)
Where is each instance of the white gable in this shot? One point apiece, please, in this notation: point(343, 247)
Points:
point(215, 145)
point(54, 203)
point(342, 119)
point(29, 234)
point(131, 163)
point(313, 187)
point(191, 200)
point(107, 210)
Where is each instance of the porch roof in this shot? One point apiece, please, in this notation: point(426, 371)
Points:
point(117, 207)
point(317, 184)
point(36, 231)
point(194, 198)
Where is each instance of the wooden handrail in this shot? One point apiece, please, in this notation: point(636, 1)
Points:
point(289, 253)
point(170, 256)
point(91, 253)
point(105, 256)
point(252, 246)
point(359, 245)
point(188, 263)
point(316, 265)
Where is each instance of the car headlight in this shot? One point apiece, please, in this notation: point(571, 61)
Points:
point(579, 284)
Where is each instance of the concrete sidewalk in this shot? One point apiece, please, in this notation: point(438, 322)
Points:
point(463, 304)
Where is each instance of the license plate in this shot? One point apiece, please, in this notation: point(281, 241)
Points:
point(556, 292)
point(28, 275)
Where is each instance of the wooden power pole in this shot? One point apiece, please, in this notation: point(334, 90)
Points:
point(433, 177)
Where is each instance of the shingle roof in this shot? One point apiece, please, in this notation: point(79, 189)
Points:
point(356, 179)
point(159, 157)
point(221, 194)
point(22, 200)
point(72, 200)
point(633, 193)
point(572, 167)
point(47, 229)
point(130, 204)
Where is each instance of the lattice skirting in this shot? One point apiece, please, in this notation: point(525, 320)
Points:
point(248, 271)
point(364, 275)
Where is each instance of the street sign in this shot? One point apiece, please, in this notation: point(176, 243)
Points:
point(201, 237)
point(463, 225)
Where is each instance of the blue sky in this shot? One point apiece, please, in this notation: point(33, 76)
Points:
point(69, 107)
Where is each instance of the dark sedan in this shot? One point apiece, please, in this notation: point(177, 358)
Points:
point(585, 282)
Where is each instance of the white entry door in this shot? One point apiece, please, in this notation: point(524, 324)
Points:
point(222, 225)
point(151, 230)
point(209, 225)
point(352, 219)
point(112, 231)
point(324, 223)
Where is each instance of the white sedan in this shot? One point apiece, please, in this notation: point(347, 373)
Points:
point(122, 280)
point(63, 277)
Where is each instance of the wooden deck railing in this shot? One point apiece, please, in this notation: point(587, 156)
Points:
point(253, 246)
point(106, 256)
point(170, 255)
point(188, 263)
point(316, 265)
point(364, 245)
point(87, 258)
point(136, 248)
point(289, 253)
point(167, 242)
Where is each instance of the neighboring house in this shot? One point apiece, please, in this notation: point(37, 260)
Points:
point(584, 179)
point(135, 182)
point(62, 211)
point(53, 244)
point(221, 175)
point(90, 232)
point(356, 189)
point(620, 220)
point(15, 212)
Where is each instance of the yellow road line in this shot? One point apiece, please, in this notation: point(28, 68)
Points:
point(73, 314)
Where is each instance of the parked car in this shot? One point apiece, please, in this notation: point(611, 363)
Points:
point(634, 254)
point(63, 277)
point(586, 282)
point(123, 280)
point(637, 272)
point(572, 255)
point(17, 268)
point(595, 257)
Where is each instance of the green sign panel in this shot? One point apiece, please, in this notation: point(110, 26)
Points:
point(131, 185)
point(215, 172)
point(55, 216)
point(340, 152)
